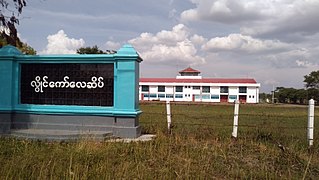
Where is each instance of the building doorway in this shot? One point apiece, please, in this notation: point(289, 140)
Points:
point(223, 98)
point(242, 98)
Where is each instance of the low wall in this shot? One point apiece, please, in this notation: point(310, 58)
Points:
point(70, 92)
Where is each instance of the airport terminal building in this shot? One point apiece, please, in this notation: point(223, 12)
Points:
point(189, 86)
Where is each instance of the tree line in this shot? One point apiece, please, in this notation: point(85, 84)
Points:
point(295, 96)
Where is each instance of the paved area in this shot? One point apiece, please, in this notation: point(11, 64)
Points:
point(142, 138)
point(66, 135)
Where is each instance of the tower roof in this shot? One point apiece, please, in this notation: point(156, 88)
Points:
point(189, 70)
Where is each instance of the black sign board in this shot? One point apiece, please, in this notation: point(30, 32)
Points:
point(67, 84)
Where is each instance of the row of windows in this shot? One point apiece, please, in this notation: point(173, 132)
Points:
point(205, 89)
point(162, 95)
point(196, 96)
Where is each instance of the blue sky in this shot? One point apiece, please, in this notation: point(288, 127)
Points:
point(274, 42)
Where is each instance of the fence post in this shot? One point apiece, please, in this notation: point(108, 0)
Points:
point(310, 127)
point(235, 126)
point(168, 112)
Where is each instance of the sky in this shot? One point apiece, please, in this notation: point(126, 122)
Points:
point(273, 41)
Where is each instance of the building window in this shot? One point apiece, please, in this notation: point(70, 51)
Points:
point(206, 96)
point(161, 89)
point(224, 89)
point(196, 87)
point(161, 95)
point(153, 95)
point(233, 97)
point(215, 97)
point(169, 95)
point(197, 96)
point(178, 95)
point(206, 89)
point(179, 89)
point(145, 88)
point(145, 95)
point(243, 89)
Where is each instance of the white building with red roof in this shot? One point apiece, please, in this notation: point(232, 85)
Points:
point(190, 86)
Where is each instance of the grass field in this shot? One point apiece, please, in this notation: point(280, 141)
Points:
point(271, 144)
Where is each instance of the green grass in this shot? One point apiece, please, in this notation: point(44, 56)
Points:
point(199, 146)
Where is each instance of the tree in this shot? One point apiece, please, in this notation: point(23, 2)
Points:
point(313, 93)
point(93, 50)
point(312, 80)
point(301, 96)
point(23, 47)
point(26, 49)
point(8, 30)
point(291, 95)
point(312, 85)
point(285, 95)
point(89, 50)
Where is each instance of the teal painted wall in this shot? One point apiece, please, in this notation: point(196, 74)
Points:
point(126, 77)
point(6, 84)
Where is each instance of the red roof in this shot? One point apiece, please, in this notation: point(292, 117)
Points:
point(189, 70)
point(204, 80)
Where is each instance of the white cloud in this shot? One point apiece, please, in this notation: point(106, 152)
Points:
point(198, 40)
point(260, 17)
point(304, 63)
point(178, 33)
point(296, 58)
point(60, 43)
point(168, 46)
point(183, 52)
point(246, 44)
point(225, 11)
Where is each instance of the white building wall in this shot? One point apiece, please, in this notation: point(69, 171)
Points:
point(169, 90)
point(214, 90)
point(153, 89)
point(252, 95)
point(191, 94)
point(188, 91)
point(233, 90)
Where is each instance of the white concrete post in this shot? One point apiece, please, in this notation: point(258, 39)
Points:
point(168, 112)
point(235, 126)
point(310, 127)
